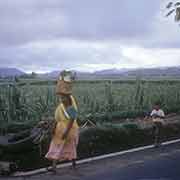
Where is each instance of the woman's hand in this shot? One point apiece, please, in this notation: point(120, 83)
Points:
point(66, 132)
point(64, 136)
point(53, 128)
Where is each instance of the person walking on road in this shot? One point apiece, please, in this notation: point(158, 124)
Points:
point(157, 116)
point(66, 132)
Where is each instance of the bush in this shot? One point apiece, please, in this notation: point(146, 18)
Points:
point(107, 139)
point(112, 138)
point(98, 141)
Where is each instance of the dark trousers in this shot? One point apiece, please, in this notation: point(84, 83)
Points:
point(158, 127)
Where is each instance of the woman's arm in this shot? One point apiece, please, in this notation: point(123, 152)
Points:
point(69, 126)
point(72, 115)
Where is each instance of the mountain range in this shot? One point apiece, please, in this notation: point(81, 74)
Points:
point(6, 72)
point(104, 74)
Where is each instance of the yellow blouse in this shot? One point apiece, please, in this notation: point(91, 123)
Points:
point(62, 118)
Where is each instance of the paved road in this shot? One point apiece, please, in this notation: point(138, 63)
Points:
point(152, 164)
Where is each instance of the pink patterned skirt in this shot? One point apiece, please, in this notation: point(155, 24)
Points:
point(63, 151)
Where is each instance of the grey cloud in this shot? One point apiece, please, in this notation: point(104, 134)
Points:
point(126, 22)
point(54, 57)
point(25, 21)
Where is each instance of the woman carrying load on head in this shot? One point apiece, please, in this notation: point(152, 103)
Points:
point(66, 132)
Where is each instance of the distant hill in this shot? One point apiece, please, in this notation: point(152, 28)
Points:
point(53, 74)
point(118, 73)
point(80, 75)
point(9, 72)
point(155, 72)
point(111, 71)
point(105, 74)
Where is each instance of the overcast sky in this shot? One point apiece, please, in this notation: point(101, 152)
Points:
point(87, 35)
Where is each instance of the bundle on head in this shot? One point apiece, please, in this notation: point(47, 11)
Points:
point(64, 83)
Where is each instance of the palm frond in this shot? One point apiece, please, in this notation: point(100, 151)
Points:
point(170, 12)
point(169, 5)
point(177, 4)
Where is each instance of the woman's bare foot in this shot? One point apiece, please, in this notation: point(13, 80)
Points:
point(74, 167)
point(52, 169)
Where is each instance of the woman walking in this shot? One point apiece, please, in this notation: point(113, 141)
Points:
point(65, 137)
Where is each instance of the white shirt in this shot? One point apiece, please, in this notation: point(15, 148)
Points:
point(159, 112)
